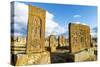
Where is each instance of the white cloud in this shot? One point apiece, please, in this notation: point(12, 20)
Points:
point(75, 16)
point(53, 27)
point(93, 33)
point(20, 12)
point(20, 18)
point(80, 23)
point(50, 24)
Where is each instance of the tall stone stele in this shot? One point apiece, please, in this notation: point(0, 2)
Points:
point(35, 52)
point(79, 42)
point(79, 37)
point(36, 30)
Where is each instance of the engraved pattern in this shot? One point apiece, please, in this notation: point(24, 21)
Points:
point(36, 32)
point(36, 27)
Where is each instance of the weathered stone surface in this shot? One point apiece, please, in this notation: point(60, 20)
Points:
point(36, 30)
point(18, 45)
point(46, 43)
point(61, 41)
point(18, 41)
point(92, 54)
point(84, 55)
point(31, 59)
point(81, 56)
point(52, 41)
point(79, 37)
point(53, 49)
point(18, 52)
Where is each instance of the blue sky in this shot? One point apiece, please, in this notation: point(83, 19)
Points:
point(64, 13)
point(58, 16)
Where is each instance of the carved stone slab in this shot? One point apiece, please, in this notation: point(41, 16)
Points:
point(79, 37)
point(36, 29)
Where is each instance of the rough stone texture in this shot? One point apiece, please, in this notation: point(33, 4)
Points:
point(30, 59)
point(18, 45)
point(46, 43)
point(84, 55)
point(92, 54)
point(18, 41)
point(53, 45)
point(36, 30)
point(81, 56)
point(61, 41)
point(53, 49)
point(79, 37)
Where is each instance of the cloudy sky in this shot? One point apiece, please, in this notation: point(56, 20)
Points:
point(58, 16)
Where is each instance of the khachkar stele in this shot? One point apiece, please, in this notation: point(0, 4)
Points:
point(79, 43)
point(35, 52)
point(79, 37)
point(36, 30)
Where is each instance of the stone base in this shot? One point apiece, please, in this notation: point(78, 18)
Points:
point(31, 59)
point(85, 55)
